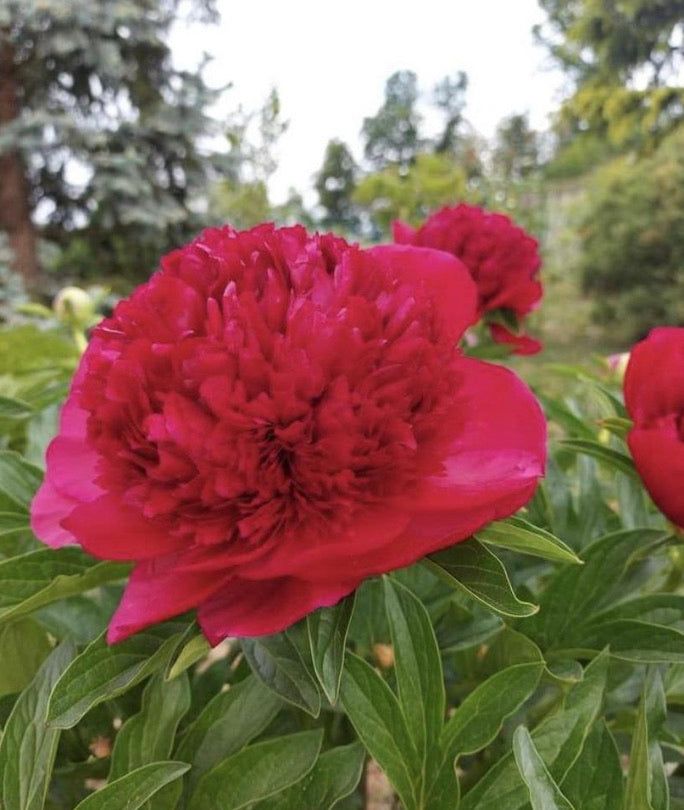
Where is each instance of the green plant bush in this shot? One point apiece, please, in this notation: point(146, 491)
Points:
point(632, 237)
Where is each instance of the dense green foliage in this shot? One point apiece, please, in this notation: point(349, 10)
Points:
point(112, 137)
point(633, 241)
point(544, 657)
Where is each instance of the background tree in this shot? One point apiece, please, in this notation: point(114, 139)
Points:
point(391, 137)
point(449, 98)
point(335, 184)
point(103, 142)
point(623, 57)
point(241, 197)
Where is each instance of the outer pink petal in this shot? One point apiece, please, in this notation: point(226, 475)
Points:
point(446, 277)
point(112, 530)
point(161, 588)
point(402, 233)
point(69, 480)
point(256, 608)
point(523, 344)
point(654, 380)
point(658, 454)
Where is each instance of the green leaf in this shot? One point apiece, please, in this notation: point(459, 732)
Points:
point(277, 661)
point(478, 720)
point(192, 651)
point(647, 787)
point(28, 745)
point(418, 670)
point(603, 454)
point(617, 425)
point(328, 628)
point(577, 593)
point(228, 722)
point(517, 534)
point(19, 481)
point(632, 640)
point(41, 577)
point(130, 792)
point(23, 648)
point(13, 521)
point(102, 672)
point(595, 781)
point(334, 776)
point(375, 713)
point(14, 409)
point(149, 735)
point(559, 740)
point(257, 772)
point(544, 792)
point(479, 573)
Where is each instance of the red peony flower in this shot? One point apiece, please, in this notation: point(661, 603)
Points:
point(654, 396)
point(274, 417)
point(502, 259)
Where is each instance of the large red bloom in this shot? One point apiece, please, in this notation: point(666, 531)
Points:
point(274, 417)
point(654, 396)
point(503, 260)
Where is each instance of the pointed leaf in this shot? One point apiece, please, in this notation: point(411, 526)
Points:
point(257, 772)
point(544, 792)
point(230, 721)
point(19, 481)
point(276, 660)
point(418, 667)
point(595, 781)
point(102, 672)
point(606, 456)
point(28, 745)
point(517, 534)
point(328, 628)
point(36, 579)
point(334, 776)
point(130, 792)
point(24, 646)
point(375, 714)
point(479, 573)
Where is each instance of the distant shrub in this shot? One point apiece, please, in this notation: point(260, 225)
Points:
point(632, 236)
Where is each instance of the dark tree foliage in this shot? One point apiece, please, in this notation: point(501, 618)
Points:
point(391, 137)
point(335, 184)
point(449, 97)
point(105, 135)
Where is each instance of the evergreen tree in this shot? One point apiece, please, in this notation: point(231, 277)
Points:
point(391, 136)
point(101, 138)
point(335, 184)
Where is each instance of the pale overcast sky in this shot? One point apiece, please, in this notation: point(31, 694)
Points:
point(330, 60)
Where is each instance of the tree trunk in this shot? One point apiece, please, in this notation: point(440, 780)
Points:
point(15, 210)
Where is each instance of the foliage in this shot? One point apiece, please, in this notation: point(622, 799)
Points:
point(112, 136)
point(536, 658)
point(633, 241)
point(432, 181)
point(623, 57)
point(391, 136)
point(335, 184)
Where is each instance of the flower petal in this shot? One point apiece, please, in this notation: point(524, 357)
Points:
point(523, 344)
point(654, 381)
point(111, 530)
point(161, 588)
point(402, 233)
point(659, 458)
point(452, 288)
point(261, 607)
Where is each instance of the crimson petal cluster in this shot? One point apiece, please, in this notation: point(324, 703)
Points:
point(502, 258)
point(654, 397)
point(276, 416)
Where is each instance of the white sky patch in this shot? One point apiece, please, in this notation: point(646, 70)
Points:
point(329, 62)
